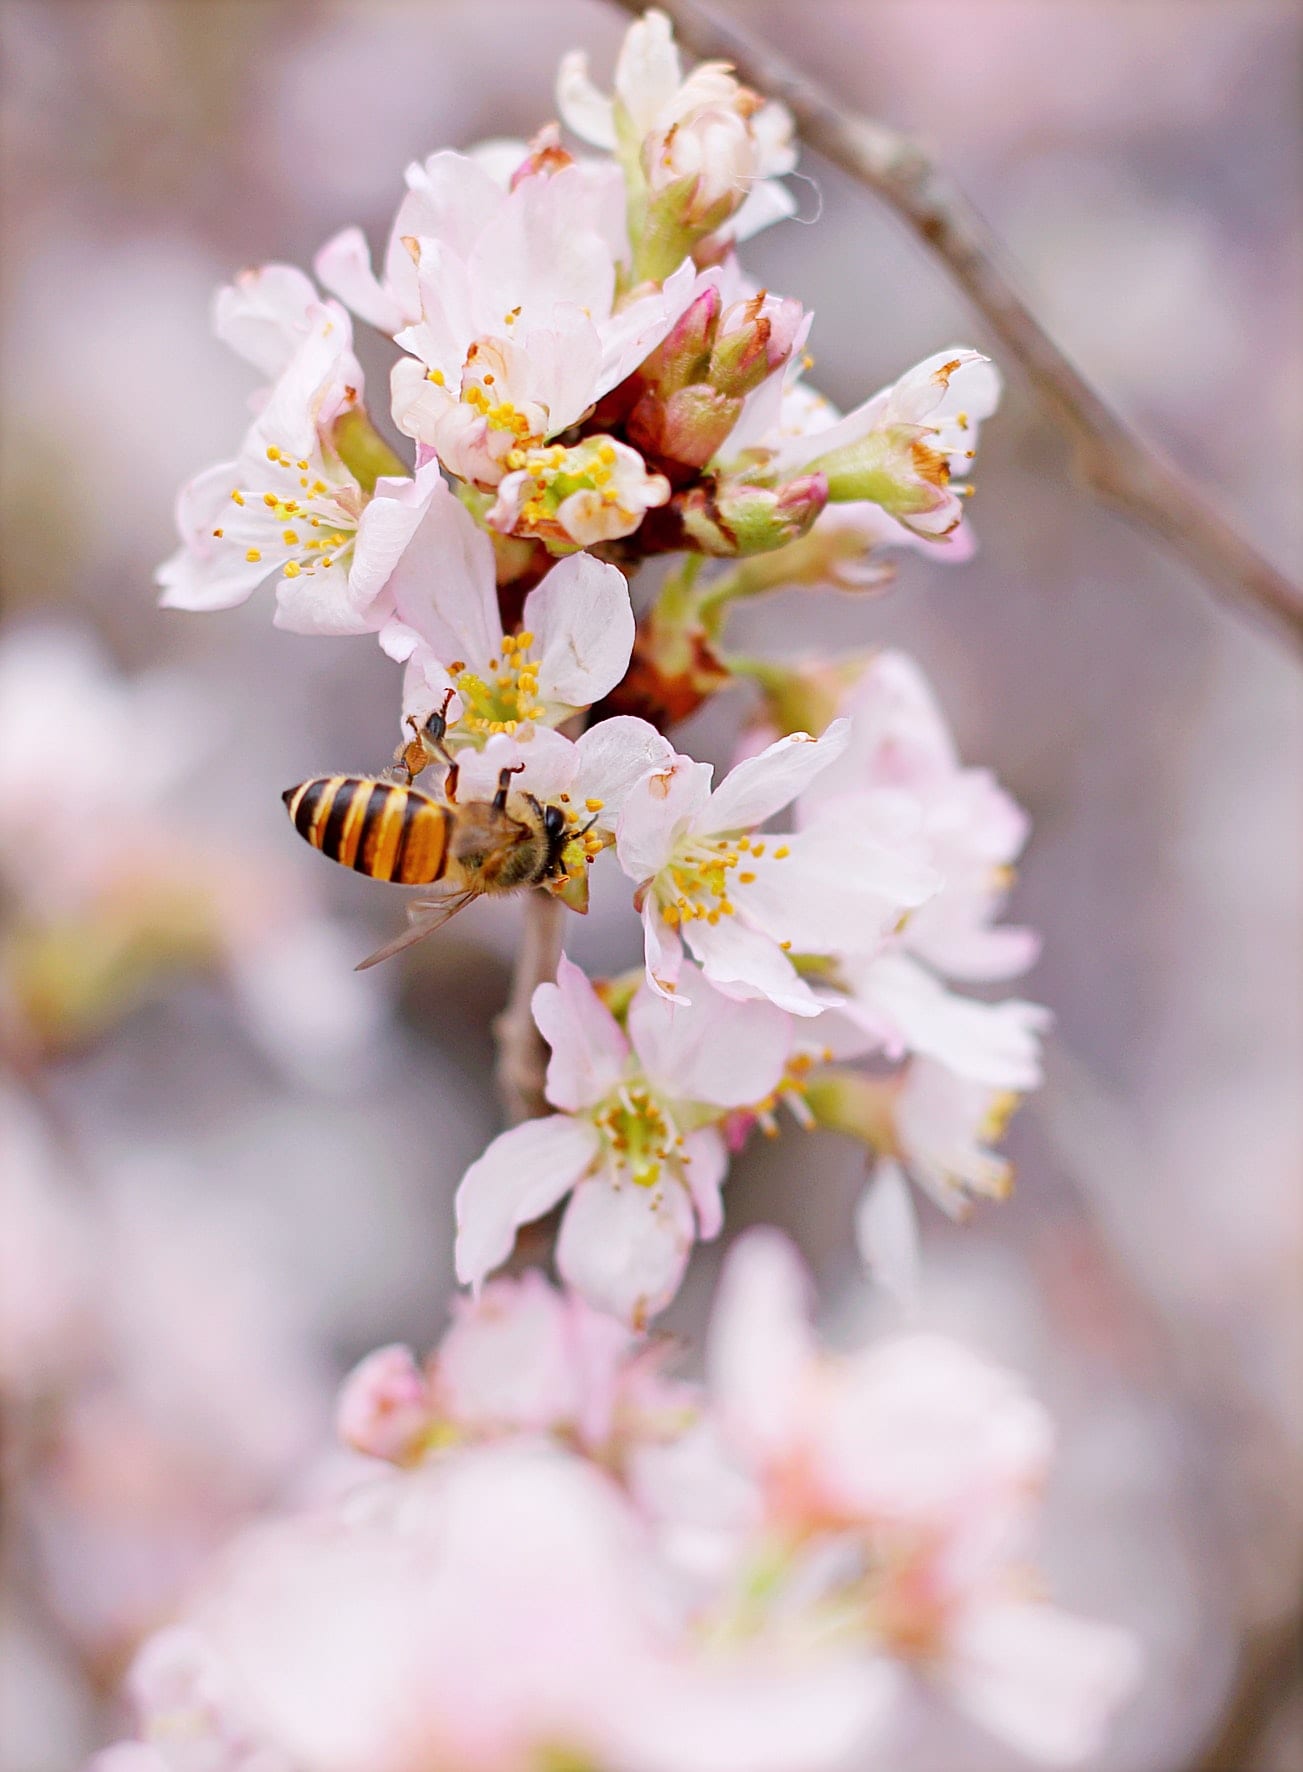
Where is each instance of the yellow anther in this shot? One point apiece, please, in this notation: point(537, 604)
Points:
point(786, 946)
point(594, 805)
point(781, 853)
point(253, 556)
point(238, 496)
point(746, 879)
point(326, 561)
point(292, 569)
point(290, 538)
point(319, 486)
point(757, 849)
point(303, 466)
point(274, 454)
point(270, 500)
point(219, 533)
point(606, 454)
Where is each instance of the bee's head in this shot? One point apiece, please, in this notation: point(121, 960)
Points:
point(556, 829)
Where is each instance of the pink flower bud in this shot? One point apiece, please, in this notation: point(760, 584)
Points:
point(753, 339)
point(684, 355)
point(738, 518)
point(384, 1405)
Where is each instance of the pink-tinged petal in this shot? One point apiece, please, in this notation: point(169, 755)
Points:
point(583, 630)
point(453, 194)
point(322, 379)
point(206, 573)
point(384, 1404)
point(541, 246)
point(761, 1346)
point(322, 602)
point(704, 1159)
point(624, 1247)
point(886, 1232)
point(761, 786)
point(521, 1176)
point(629, 337)
point(662, 953)
point(1039, 1678)
point(657, 812)
point(263, 315)
point(832, 899)
point(386, 529)
point(444, 585)
point(746, 963)
point(344, 267)
point(506, 1361)
point(711, 1049)
point(559, 364)
point(588, 1048)
point(998, 1044)
point(611, 757)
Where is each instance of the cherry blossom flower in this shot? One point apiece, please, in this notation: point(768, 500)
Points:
point(313, 495)
point(521, 1358)
point(520, 333)
point(742, 901)
point(449, 198)
point(931, 1462)
point(445, 623)
point(635, 1143)
point(701, 154)
point(899, 450)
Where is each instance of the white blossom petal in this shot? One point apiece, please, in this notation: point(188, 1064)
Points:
point(705, 1164)
point(522, 1175)
point(581, 107)
point(344, 267)
point(713, 1048)
point(588, 1048)
point(744, 962)
point(624, 1247)
point(583, 630)
point(886, 1232)
point(658, 810)
point(612, 757)
point(445, 585)
point(760, 1343)
point(760, 786)
point(1039, 1678)
point(263, 315)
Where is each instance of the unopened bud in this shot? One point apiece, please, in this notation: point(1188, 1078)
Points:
point(683, 357)
point(385, 1406)
point(753, 339)
point(688, 429)
point(737, 518)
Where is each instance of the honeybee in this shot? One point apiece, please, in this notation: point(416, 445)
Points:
point(392, 830)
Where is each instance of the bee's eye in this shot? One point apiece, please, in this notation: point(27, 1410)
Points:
point(554, 821)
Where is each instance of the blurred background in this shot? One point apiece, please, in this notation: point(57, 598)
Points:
point(226, 1162)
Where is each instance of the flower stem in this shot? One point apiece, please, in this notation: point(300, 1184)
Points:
point(522, 1054)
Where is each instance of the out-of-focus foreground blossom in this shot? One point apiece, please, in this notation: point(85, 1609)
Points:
point(575, 1560)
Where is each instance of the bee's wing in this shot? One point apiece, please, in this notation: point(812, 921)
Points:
point(424, 916)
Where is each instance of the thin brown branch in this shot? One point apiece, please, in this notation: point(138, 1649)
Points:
point(522, 1055)
point(1113, 460)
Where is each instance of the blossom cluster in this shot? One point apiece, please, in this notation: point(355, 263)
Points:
point(577, 1560)
point(558, 1554)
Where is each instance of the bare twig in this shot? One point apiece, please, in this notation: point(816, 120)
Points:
point(1121, 468)
point(522, 1056)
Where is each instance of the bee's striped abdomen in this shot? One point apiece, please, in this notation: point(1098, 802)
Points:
point(375, 827)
